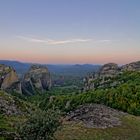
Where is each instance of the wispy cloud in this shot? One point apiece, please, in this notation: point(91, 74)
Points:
point(105, 40)
point(48, 41)
point(51, 41)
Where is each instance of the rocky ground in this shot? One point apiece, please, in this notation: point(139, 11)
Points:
point(8, 106)
point(96, 116)
point(13, 111)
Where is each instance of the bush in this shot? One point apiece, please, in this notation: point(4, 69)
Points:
point(41, 125)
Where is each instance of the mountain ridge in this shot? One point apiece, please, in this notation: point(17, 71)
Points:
point(60, 69)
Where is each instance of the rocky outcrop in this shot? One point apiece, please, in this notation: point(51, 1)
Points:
point(88, 82)
point(108, 70)
point(13, 110)
point(95, 116)
point(8, 105)
point(9, 79)
point(135, 66)
point(37, 79)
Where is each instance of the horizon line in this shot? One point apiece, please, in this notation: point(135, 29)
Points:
point(62, 63)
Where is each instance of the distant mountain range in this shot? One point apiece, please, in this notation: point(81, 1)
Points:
point(74, 70)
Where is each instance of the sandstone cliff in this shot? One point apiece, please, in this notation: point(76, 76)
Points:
point(37, 79)
point(9, 79)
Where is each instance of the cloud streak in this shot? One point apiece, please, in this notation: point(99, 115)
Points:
point(51, 41)
point(62, 42)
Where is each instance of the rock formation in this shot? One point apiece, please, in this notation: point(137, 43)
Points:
point(108, 71)
point(9, 80)
point(37, 79)
point(88, 82)
point(8, 105)
point(135, 66)
point(95, 116)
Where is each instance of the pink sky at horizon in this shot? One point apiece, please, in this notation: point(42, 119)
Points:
point(72, 53)
point(90, 52)
point(74, 59)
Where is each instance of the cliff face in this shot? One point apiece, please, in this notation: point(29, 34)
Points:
point(108, 71)
point(135, 66)
point(9, 79)
point(37, 79)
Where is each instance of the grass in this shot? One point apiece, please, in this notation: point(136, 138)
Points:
point(4, 123)
point(129, 130)
point(9, 124)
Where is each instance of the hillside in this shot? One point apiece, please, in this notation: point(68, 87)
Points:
point(129, 130)
point(13, 110)
point(21, 120)
point(124, 96)
point(121, 126)
point(110, 110)
point(73, 70)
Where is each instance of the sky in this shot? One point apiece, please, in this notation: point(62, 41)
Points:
point(70, 31)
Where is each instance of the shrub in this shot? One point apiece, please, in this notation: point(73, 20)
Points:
point(41, 125)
